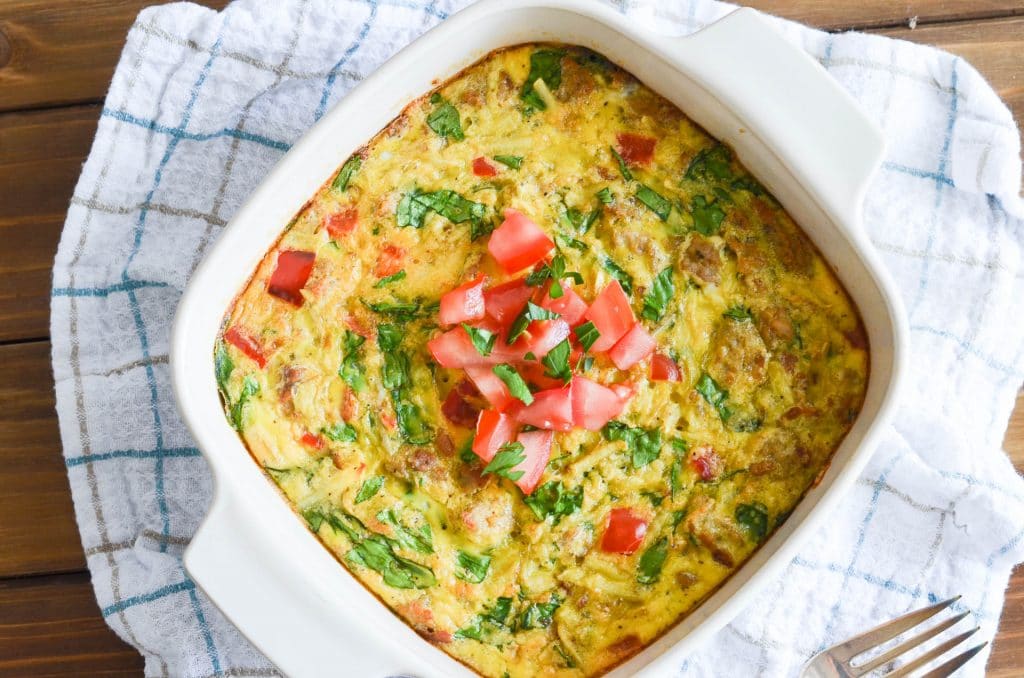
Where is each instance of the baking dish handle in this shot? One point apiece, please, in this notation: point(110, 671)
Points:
point(778, 92)
point(228, 556)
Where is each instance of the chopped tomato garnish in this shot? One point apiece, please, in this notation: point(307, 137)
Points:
point(624, 391)
point(706, 462)
point(454, 348)
point(290, 275)
point(458, 410)
point(490, 385)
point(518, 242)
point(542, 336)
point(570, 305)
point(594, 405)
point(664, 368)
point(357, 326)
point(611, 315)
point(633, 347)
point(246, 343)
point(389, 261)
point(635, 149)
point(625, 532)
point(312, 440)
point(482, 167)
point(504, 302)
point(465, 302)
point(533, 373)
point(550, 409)
point(493, 429)
point(537, 448)
point(341, 223)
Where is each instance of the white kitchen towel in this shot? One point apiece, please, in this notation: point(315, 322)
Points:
point(203, 104)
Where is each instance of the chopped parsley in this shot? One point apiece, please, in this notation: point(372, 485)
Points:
point(516, 386)
point(491, 620)
point(707, 216)
point(587, 334)
point(539, 615)
point(344, 176)
point(738, 313)
point(656, 202)
point(250, 387)
point(623, 170)
point(340, 433)
point(617, 272)
point(552, 500)
point(416, 204)
point(386, 280)
point(472, 568)
point(397, 310)
point(557, 362)
point(396, 376)
point(510, 161)
point(659, 295)
point(648, 570)
point(351, 370)
point(483, 340)
point(546, 65)
point(507, 458)
point(529, 313)
point(223, 366)
point(376, 552)
point(369, 488)
point(555, 272)
point(754, 519)
point(713, 162)
point(605, 196)
point(444, 119)
point(715, 395)
point(644, 445)
point(419, 539)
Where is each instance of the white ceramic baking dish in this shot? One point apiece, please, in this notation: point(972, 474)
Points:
point(790, 124)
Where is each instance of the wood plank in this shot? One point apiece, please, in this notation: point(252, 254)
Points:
point(841, 16)
point(63, 52)
point(51, 626)
point(1007, 658)
point(33, 482)
point(995, 48)
point(56, 53)
point(41, 156)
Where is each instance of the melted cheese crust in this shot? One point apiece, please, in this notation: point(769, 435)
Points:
point(791, 354)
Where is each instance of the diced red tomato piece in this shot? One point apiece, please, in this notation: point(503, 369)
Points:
point(611, 315)
point(532, 373)
point(664, 368)
point(634, 346)
point(625, 532)
point(312, 440)
point(387, 417)
point(550, 409)
point(635, 149)
point(482, 167)
point(542, 336)
point(706, 462)
point(493, 429)
point(490, 385)
point(246, 343)
point(518, 242)
point(504, 302)
point(570, 305)
point(455, 349)
point(389, 261)
point(290, 275)
point(465, 302)
point(537, 448)
point(458, 409)
point(624, 391)
point(593, 405)
point(341, 223)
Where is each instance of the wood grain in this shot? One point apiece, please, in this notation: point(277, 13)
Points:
point(841, 16)
point(37, 525)
point(59, 53)
point(51, 626)
point(41, 155)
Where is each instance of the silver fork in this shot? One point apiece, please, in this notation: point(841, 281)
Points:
point(836, 661)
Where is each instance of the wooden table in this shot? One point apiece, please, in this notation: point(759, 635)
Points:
point(56, 59)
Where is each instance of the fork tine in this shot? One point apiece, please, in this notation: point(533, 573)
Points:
point(887, 631)
point(933, 653)
point(908, 644)
point(947, 669)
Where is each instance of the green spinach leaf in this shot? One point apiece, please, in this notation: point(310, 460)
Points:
point(659, 296)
